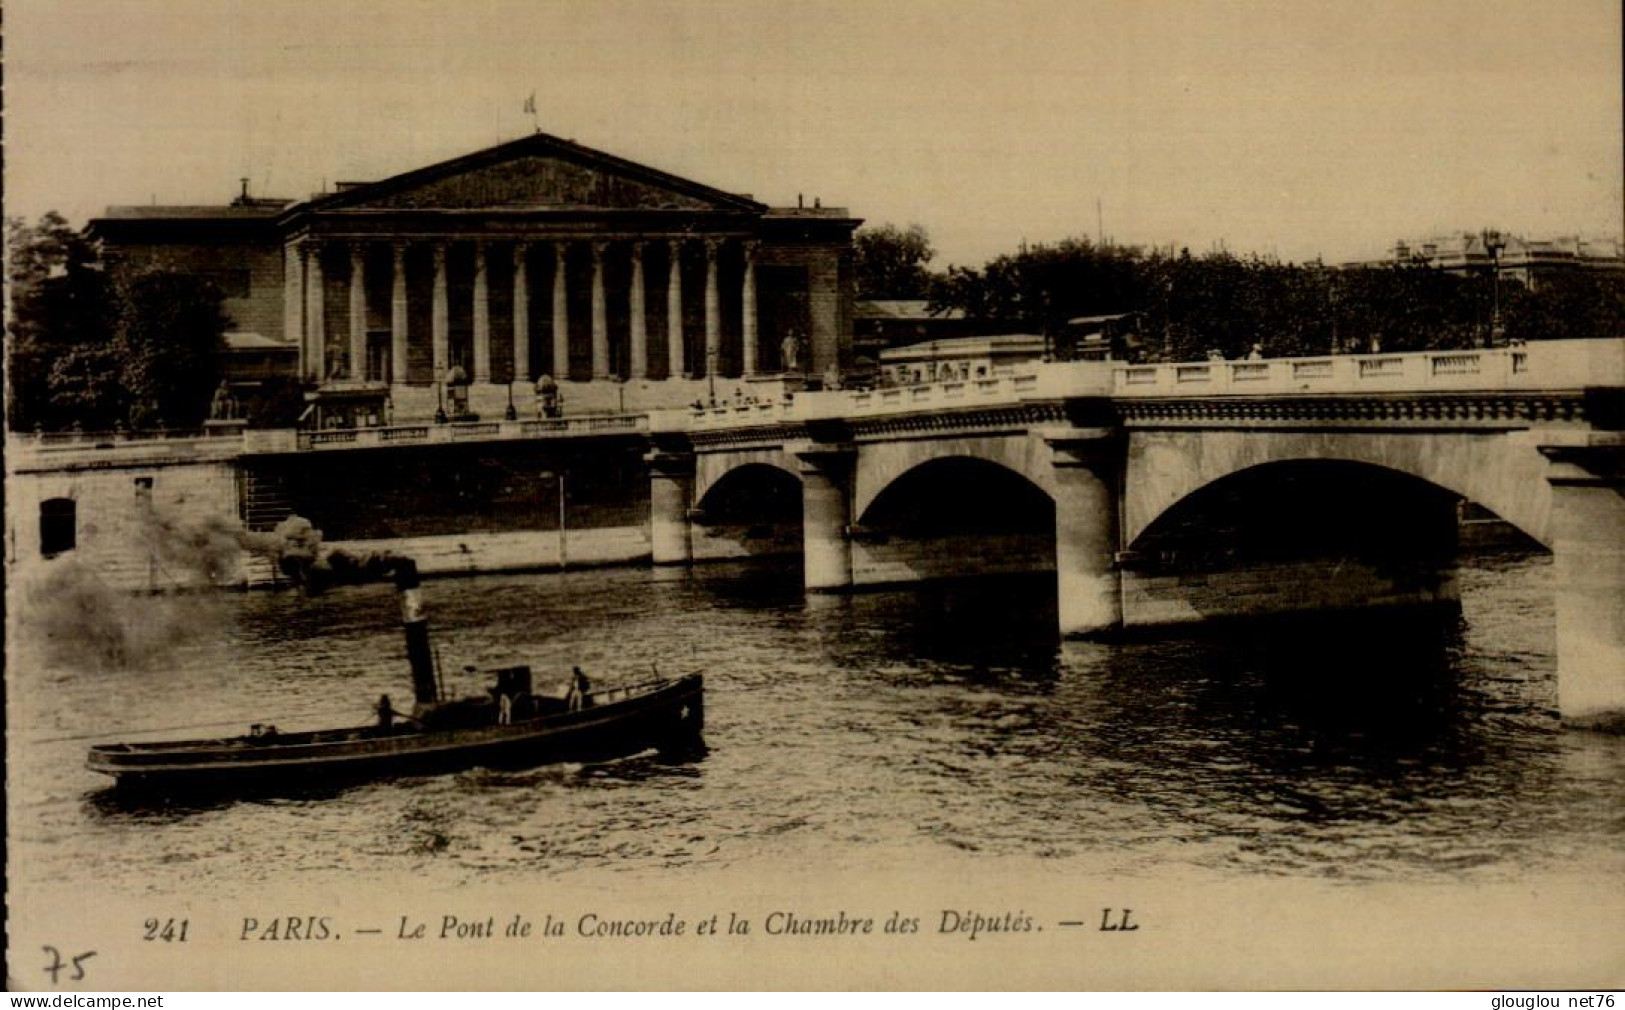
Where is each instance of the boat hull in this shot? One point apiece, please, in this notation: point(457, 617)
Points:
point(668, 717)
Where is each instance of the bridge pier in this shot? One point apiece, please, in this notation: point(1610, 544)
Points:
point(1588, 547)
point(826, 514)
point(671, 495)
point(1088, 465)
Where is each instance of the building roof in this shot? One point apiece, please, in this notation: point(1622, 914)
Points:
point(1025, 344)
point(150, 212)
point(901, 309)
point(245, 340)
point(538, 174)
point(1093, 320)
point(536, 145)
point(1465, 249)
point(242, 217)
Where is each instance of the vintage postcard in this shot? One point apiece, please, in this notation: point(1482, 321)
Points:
point(703, 495)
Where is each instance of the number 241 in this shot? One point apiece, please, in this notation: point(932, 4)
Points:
point(167, 930)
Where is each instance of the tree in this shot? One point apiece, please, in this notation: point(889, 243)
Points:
point(891, 263)
point(171, 339)
point(1040, 288)
point(90, 351)
point(86, 387)
point(1192, 306)
point(1574, 304)
point(61, 308)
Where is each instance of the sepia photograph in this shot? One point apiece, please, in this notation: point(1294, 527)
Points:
point(714, 495)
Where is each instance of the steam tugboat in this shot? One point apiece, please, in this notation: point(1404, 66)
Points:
point(510, 727)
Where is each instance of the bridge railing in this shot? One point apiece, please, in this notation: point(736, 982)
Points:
point(77, 446)
point(1041, 381)
point(68, 447)
point(441, 434)
point(1548, 364)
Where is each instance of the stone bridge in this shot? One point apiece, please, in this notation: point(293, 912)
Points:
point(1156, 495)
point(1162, 494)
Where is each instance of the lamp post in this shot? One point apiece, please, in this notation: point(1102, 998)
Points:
point(1494, 242)
point(547, 475)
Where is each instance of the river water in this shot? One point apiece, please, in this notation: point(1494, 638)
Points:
point(876, 729)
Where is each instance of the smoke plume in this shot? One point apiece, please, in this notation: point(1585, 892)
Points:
point(69, 617)
point(295, 547)
point(71, 613)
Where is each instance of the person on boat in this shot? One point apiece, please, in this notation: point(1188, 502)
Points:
point(386, 713)
point(580, 695)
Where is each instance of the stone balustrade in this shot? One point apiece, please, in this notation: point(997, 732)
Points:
point(67, 449)
point(52, 449)
point(1546, 365)
point(1552, 364)
point(474, 431)
point(1042, 381)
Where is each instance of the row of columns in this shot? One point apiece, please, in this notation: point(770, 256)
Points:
point(306, 324)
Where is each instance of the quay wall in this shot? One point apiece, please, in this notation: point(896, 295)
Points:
point(163, 520)
point(474, 553)
point(141, 526)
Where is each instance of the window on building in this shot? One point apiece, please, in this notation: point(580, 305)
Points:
point(58, 526)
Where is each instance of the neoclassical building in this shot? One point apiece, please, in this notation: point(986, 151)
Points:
point(629, 286)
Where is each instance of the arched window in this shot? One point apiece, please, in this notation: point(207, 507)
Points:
point(58, 526)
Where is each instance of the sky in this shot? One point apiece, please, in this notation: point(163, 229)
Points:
point(1296, 129)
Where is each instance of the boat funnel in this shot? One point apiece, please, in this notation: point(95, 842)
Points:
point(416, 627)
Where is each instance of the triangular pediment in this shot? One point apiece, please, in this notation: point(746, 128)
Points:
point(535, 173)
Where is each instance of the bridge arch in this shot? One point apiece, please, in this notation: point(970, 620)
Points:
point(751, 490)
point(1299, 509)
point(1503, 472)
point(952, 517)
point(982, 492)
point(881, 465)
point(753, 508)
point(712, 469)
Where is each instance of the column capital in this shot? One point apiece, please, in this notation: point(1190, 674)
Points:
point(676, 245)
point(598, 247)
point(357, 247)
point(637, 249)
point(398, 248)
point(439, 253)
point(561, 245)
point(750, 246)
point(520, 247)
point(711, 247)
